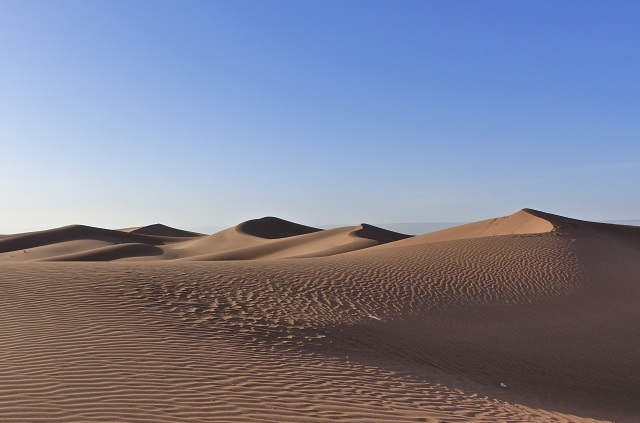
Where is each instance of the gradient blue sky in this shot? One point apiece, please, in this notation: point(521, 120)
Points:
point(204, 114)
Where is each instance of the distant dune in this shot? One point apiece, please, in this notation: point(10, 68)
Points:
point(530, 317)
point(276, 238)
point(76, 241)
point(264, 238)
point(273, 228)
point(236, 244)
point(159, 229)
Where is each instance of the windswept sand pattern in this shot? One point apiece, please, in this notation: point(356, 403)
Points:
point(412, 330)
point(84, 354)
point(390, 283)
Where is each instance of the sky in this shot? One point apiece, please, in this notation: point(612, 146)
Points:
point(202, 114)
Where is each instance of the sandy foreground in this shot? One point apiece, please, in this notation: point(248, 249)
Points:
point(528, 317)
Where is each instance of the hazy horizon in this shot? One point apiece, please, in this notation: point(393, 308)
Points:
point(197, 114)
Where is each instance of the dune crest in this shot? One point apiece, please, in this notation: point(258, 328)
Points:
point(78, 242)
point(274, 238)
point(312, 244)
point(273, 228)
point(158, 229)
point(523, 222)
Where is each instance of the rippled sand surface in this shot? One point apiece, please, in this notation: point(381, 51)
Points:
point(424, 329)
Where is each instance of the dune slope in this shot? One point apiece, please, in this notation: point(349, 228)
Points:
point(522, 222)
point(76, 241)
point(110, 252)
point(272, 238)
point(68, 233)
point(265, 238)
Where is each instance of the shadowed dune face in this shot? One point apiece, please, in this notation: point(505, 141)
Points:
point(159, 229)
point(378, 234)
point(628, 234)
point(273, 228)
point(424, 331)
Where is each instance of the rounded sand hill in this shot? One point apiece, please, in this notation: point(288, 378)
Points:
point(158, 229)
point(523, 222)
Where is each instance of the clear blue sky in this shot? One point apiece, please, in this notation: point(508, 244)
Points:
point(204, 114)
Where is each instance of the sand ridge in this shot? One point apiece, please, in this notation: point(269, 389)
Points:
point(159, 229)
point(236, 244)
point(525, 221)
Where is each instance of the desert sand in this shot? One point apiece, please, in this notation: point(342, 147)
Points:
point(522, 318)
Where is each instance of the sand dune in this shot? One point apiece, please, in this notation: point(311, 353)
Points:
point(67, 233)
point(523, 222)
point(418, 329)
point(159, 229)
point(76, 241)
point(272, 228)
point(265, 238)
point(67, 240)
point(281, 239)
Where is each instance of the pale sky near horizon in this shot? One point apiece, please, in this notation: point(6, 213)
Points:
point(204, 114)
